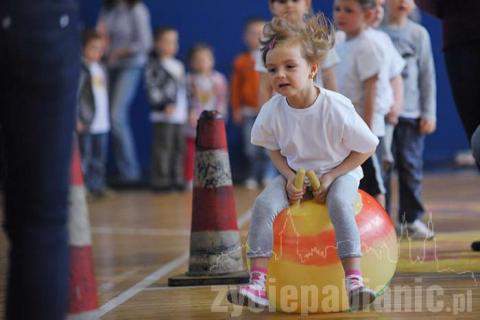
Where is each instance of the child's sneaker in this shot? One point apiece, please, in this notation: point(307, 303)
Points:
point(419, 230)
point(416, 230)
point(253, 294)
point(359, 296)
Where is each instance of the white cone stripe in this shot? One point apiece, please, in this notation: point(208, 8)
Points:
point(212, 169)
point(78, 222)
point(155, 276)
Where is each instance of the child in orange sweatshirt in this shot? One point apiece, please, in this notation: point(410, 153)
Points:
point(245, 105)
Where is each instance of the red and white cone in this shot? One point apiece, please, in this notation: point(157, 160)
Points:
point(83, 303)
point(215, 245)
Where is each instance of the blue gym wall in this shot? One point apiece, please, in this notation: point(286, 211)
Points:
point(220, 24)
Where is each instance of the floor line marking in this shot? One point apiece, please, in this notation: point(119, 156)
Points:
point(155, 276)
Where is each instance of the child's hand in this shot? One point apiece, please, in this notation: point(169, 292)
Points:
point(169, 109)
point(392, 117)
point(237, 118)
point(427, 126)
point(325, 182)
point(80, 127)
point(294, 194)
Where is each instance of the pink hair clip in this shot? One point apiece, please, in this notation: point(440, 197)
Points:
point(272, 43)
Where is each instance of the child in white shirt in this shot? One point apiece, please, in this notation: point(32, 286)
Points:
point(306, 126)
point(359, 76)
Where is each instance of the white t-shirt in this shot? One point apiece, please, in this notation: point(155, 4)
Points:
point(179, 116)
point(316, 138)
point(392, 67)
point(330, 61)
point(101, 119)
point(361, 59)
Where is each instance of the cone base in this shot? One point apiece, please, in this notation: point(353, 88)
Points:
point(228, 278)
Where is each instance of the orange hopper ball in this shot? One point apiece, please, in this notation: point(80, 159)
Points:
point(305, 273)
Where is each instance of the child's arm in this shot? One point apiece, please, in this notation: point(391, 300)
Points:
point(353, 160)
point(397, 106)
point(265, 90)
point(281, 164)
point(329, 79)
point(370, 86)
point(427, 88)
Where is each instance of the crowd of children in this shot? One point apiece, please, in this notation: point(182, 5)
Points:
point(298, 85)
point(384, 65)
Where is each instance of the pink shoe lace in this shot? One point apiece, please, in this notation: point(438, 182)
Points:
point(252, 294)
point(359, 296)
point(353, 282)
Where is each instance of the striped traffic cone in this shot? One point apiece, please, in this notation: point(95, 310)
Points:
point(215, 246)
point(83, 302)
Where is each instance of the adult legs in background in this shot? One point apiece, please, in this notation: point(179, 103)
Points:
point(475, 142)
point(123, 86)
point(39, 59)
point(463, 67)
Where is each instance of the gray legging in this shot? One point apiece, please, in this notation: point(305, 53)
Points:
point(340, 201)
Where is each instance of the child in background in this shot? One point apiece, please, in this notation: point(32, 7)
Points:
point(359, 75)
point(93, 124)
point(167, 94)
point(208, 90)
point(390, 89)
point(418, 117)
point(300, 126)
point(245, 106)
point(294, 11)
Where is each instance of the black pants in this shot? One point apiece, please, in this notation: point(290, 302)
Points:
point(463, 66)
point(39, 63)
point(168, 148)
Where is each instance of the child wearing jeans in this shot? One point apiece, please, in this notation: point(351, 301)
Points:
point(418, 117)
point(93, 124)
point(305, 126)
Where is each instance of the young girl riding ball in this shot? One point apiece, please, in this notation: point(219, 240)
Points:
point(306, 126)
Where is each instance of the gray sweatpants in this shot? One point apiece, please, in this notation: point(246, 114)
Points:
point(340, 201)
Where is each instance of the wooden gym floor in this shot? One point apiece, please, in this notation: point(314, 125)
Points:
point(140, 239)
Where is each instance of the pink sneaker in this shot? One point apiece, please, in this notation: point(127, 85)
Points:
point(359, 296)
point(253, 294)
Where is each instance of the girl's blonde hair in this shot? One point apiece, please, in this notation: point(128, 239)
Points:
point(315, 34)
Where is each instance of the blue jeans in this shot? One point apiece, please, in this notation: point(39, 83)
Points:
point(123, 86)
point(259, 164)
point(408, 145)
point(39, 59)
point(94, 157)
